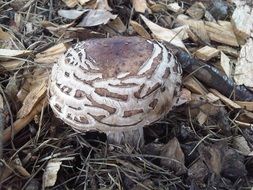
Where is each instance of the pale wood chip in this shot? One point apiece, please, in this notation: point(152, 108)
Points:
point(226, 100)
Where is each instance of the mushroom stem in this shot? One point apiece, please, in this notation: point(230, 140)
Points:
point(134, 137)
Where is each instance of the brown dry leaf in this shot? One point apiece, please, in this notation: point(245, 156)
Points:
point(117, 25)
point(12, 87)
point(50, 174)
point(212, 156)
point(198, 171)
point(244, 67)
point(241, 145)
point(140, 6)
point(164, 33)
point(175, 155)
point(71, 14)
point(35, 94)
point(52, 54)
point(4, 35)
point(140, 29)
point(96, 17)
point(71, 3)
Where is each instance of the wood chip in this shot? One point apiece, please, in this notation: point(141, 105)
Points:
point(225, 64)
point(175, 7)
point(244, 67)
point(226, 100)
point(196, 11)
point(221, 32)
point(201, 118)
point(206, 53)
point(182, 32)
point(246, 105)
point(211, 97)
point(228, 50)
point(196, 26)
point(140, 6)
point(195, 86)
point(242, 20)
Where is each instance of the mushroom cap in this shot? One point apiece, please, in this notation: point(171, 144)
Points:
point(111, 84)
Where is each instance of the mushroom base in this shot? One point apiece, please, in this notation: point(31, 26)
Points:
point(134, 137)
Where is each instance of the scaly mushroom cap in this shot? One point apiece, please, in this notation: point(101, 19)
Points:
point(114, 84)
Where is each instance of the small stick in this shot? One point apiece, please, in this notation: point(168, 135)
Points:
point(19, 124)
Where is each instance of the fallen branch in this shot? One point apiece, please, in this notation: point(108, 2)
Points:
point(211, 76)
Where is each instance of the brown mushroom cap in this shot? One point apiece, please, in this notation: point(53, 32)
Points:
point(112, 84)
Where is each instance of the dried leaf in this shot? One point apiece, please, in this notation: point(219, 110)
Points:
point(241, 145)
point(198, 171)
point(13, 53)
point(50, 174)
point(212, 156)
point(52, 54)
point(140, 29)
point(71, 14)
point(175, 155)
point(4, 35)
point(96, 17)
point(164, 33)
point(117, 25)
point(36, 94)
point(12, 87)
point(244, 67)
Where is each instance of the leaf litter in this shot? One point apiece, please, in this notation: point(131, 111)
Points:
point(204, 143)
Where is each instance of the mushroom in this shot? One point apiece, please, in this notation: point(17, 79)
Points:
point(114, 85)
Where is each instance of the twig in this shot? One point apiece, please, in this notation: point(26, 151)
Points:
point(19, 124)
